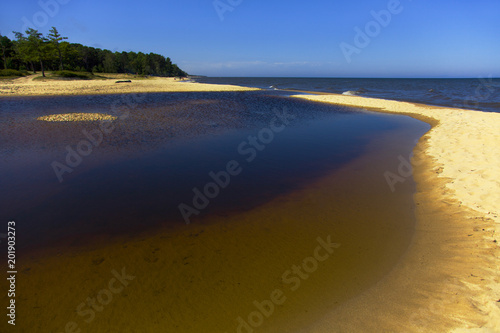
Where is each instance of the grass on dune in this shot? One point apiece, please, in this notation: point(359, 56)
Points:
point(10, 74)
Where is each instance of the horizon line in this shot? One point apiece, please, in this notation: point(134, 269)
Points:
point(347, 77)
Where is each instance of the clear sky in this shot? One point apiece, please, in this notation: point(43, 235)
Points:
point(420, 38)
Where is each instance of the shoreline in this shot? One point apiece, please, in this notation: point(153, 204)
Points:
point(454, 191)
point(445, 121)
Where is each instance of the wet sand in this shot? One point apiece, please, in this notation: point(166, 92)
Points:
point(450, 275)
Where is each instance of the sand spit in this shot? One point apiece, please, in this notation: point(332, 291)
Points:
point(26, 86)
point(462, 174)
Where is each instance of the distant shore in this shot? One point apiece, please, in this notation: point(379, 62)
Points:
point(458, 214)
point(26, 86)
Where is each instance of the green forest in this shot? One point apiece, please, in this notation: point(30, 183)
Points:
point(32, 51)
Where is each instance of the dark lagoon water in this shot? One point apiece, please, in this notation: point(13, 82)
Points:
point(480, 94)
point(156, 157)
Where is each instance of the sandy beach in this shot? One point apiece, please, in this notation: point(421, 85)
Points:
point(461, 174)
point(447, 281)
point(26, 86)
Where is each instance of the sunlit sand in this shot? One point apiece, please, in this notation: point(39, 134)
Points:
point(26, 86)
point(77, 117)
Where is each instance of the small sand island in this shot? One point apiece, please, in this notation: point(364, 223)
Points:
point(77, 117)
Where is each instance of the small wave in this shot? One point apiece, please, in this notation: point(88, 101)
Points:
point(432, 91)
point(350, 93)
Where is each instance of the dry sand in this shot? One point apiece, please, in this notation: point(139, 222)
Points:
point(26, 86)
point(458, 217)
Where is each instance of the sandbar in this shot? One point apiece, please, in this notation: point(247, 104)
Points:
point(77, 117)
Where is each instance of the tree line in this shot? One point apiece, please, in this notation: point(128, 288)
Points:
point(35, 52)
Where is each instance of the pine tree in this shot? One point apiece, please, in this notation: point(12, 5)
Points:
point(38, 48)
point(6, 46)
point(22, 51)
point(55, 38)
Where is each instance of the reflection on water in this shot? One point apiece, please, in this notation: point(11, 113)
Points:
point(164, 149)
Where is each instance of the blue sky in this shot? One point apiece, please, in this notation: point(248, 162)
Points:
point(424, 38)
